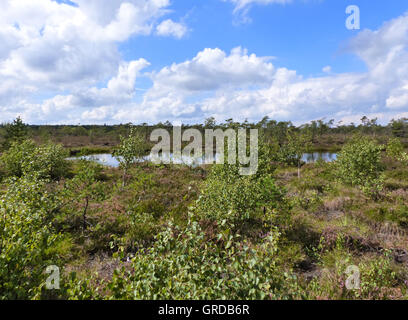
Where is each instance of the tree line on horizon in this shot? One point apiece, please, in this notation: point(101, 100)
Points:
point(316, 128)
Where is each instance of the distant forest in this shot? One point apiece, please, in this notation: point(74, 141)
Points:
point(325, 135)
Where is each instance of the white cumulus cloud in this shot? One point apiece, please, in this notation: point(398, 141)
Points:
point(61, 64)
point(48, 46)
point(170, 28)
point(242, 85)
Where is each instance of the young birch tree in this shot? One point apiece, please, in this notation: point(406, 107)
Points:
point(130, 149)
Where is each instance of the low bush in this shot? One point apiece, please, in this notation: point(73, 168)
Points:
point(25, 158)
point(26, 235)
point(183, 265)
point(359, 164)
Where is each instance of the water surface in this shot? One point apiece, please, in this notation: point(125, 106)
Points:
point(108, 160)
point(315, 156)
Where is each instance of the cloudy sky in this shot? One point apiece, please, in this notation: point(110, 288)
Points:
point(119, 61)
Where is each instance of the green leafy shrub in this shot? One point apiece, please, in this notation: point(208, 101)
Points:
point(291, 152)
point(130, 149)
point(395, 150)
point(73, 288)
point(16, 160)
point(229, 195)
point(359, 164)
point(226, 194)
point(26, 236)
point(183, 265)
point(51, 160)
point(25, 157)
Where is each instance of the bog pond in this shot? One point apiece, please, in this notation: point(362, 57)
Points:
point(108, 160)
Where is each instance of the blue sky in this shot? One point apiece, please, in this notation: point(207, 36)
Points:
point(112, 61)
point(306, 35)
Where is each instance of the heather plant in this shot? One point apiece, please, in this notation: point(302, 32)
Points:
point(378, 277)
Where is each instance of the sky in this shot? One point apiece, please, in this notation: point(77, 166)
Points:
point(121, 61)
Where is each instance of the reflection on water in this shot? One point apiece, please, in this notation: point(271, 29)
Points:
point(108, 160)
point(314, 156)
point(105, 158)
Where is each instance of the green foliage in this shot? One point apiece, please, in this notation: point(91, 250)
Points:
point(227, 194)
point(17, 159)
point(210, 123)
point(48, 160)
point(399, 127)
point(359, 164)
point(188, 263)
point(292, 151)
point(85, 187)
point(235, 242)
point(309, 200)
point(378, 278)
point(26, 236)
point(276, 130)
point(142, 226)
point(73, 288)
point(14, 132)
point(395, 150)
point(183, 265)
point(130, 149)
